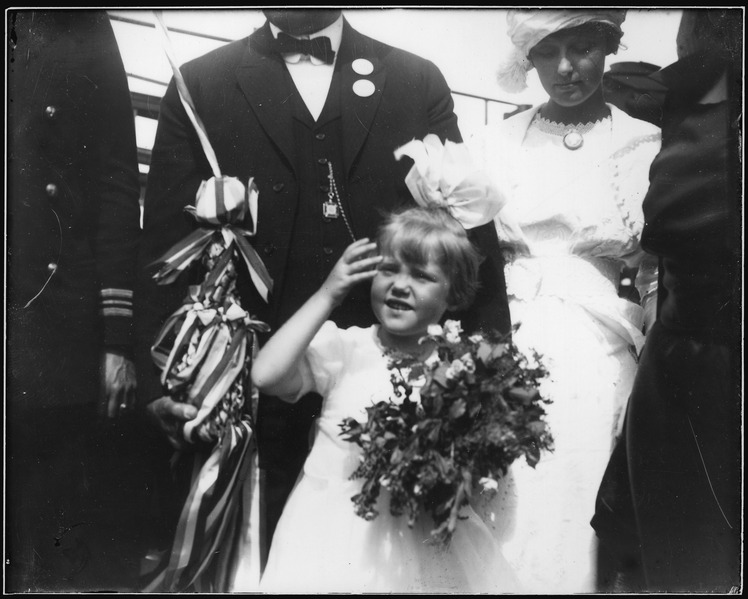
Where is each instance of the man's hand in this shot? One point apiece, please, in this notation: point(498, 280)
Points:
point(170, 416)
point(118, 384)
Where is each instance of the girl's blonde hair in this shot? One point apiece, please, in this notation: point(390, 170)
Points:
point(418, 234)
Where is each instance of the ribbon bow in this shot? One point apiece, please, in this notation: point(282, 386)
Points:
point(221, 202)
point(319, 47)
point(445, 176)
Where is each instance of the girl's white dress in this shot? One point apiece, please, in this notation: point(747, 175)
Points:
point(320, 544)
point(571, 221)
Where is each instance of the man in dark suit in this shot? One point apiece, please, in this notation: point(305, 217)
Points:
point(316, 127)
point(74, 224)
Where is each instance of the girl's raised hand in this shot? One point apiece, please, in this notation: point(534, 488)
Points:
point(355, 265)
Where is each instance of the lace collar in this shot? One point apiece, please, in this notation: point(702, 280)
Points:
point(572, 134)
point(554, 128)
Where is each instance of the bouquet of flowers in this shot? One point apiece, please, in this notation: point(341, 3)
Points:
point(458, 419)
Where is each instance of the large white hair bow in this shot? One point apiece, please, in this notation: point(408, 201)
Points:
point(445, 175)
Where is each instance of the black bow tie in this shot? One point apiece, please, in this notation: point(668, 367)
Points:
point(319, 47)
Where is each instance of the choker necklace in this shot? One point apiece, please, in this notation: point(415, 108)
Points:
point(572, 135)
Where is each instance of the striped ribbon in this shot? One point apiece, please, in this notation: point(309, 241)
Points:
point(179, 257)
point(184, 95)
point(220, 201)
point(205, 545)
point(205, 350)
point(212, 528)
point(218, 347)
point(225, 201)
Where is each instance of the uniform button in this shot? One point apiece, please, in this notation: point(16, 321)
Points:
point(278, 187)
point(50, 111)
point(328, 251)
point(324, 188)
point(322, 160)
point(51, 267)
point(51, 190)
point(269, 249)
point(320, 136)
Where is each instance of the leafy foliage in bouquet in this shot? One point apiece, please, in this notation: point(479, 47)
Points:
point(458, 419)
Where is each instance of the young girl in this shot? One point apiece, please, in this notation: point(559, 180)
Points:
point(427, 265)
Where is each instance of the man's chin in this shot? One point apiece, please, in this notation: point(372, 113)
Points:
point(302, 22)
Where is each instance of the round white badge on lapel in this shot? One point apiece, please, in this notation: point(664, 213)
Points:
point(363, 88)
point(362, 66)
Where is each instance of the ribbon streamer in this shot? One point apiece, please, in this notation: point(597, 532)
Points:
point(175, 261)
point(204, 351)
point(201, 556)
point(225, 203)
point(184, 95)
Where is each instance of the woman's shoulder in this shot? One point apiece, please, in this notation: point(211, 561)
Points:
point(501, 137)
point(516, 123)
point(631, 134)
point(630, 125)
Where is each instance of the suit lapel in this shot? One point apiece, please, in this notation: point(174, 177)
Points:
point(357, 110)
point(263, 79)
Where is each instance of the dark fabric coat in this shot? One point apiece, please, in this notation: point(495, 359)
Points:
point(73, 210)
point(669, 506)
point(73, 227)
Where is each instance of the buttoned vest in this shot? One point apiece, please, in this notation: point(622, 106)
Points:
point(319, 239)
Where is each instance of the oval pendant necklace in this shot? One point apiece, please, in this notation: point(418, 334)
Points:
point(573, 140)
point(572, 136)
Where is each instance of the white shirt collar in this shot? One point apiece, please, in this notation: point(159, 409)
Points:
point(333, 31)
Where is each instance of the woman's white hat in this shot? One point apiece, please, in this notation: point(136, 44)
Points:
point(527, 27)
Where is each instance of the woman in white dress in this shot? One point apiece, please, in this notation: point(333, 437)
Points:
point(574, 171)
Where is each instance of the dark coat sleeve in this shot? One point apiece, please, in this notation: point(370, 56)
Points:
point(117, 223)
point(490, 310)
point(177, 168)
point(73, 175)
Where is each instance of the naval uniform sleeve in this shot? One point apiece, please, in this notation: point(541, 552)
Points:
point(117, 226)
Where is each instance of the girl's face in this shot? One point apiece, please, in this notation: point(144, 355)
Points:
point(570, 65)
point(407, 298)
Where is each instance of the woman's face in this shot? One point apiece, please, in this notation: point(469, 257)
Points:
point(407, 298)
point(570, 64)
